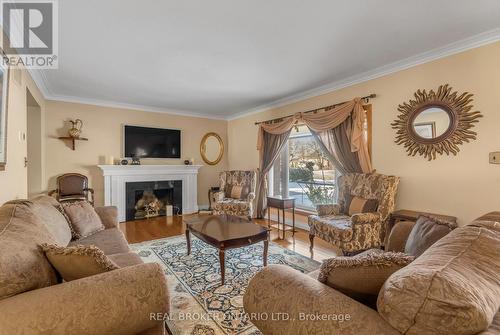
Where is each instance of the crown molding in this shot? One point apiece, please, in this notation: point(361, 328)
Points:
point(42, 83)
point(142, 108)
point(475, 41)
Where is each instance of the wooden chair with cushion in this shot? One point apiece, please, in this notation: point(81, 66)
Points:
point(237, 191)
point(358, 221)
point(73, 187)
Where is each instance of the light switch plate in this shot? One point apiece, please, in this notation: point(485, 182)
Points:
point(495, 157)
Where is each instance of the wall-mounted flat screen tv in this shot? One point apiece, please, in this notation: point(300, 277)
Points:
point(145, 142)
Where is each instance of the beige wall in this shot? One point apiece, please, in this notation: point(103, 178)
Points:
point(464, 185)
point(103, 127)
point(34, 147)
point(14, 180)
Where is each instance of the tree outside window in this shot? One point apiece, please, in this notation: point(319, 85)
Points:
point(311, 176)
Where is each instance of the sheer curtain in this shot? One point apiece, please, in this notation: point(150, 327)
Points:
point(335, 145)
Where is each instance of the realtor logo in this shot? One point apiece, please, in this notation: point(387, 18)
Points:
point(30, 33)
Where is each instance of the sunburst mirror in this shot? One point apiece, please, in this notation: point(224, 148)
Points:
point(435, 122)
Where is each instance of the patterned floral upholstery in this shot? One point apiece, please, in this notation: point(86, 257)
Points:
point(360, 231)
point(239, 207)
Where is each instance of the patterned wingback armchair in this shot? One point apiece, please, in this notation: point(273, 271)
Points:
point(237, 191)
point(357, 222)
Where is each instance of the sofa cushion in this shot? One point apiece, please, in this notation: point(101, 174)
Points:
point(78, 261)
point(49, 211)
point(83, 218)
point(233, 207)
point(331, 227)
point(23, 265)
point(110, 241)
point(426, 231)
point(452, 288)
point(126, 259)
point(361, 277)
point(108, 215)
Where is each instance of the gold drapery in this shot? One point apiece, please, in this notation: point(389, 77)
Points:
point(323, 120)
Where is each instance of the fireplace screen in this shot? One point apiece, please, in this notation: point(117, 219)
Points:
point(152, 199)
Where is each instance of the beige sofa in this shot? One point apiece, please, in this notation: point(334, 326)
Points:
point(32, 299)
point(452, 288)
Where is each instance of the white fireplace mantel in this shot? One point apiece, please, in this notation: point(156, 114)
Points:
point(116, 177)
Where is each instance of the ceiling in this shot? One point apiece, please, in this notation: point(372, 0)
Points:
point(225, 58)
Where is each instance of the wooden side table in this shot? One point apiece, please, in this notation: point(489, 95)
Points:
point(409, 215)
point(281, 203)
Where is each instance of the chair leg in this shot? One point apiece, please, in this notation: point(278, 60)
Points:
point(311, 239)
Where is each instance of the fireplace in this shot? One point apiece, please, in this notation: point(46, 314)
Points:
point(152, 199)
point(117, 176)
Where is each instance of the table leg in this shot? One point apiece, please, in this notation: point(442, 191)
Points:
point(293, 221)
point(278, 211)
point(266, 246)
point(284, 220)
point(209, 199)
point(222, 261)
point(188, 240)
point(268, 217)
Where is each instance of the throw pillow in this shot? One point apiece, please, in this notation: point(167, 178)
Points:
point(361, 277)
point(426, 231)
point(245, 191)
point(83, 218)
point(78, 261)
point(356, 205)
point(50, 212)
point(236, 191)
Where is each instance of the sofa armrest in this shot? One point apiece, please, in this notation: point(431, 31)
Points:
point(108, 215)
point(117, 302)
point(330, 209)
point(364, 218)
point(312, 308)
point(251, 196)
point(399, 234)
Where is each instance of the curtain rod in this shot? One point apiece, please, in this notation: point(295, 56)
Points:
point(366, 98)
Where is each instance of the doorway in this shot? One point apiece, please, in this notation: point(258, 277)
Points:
point(34, 145)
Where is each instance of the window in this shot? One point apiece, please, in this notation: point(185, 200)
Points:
point(303, 172)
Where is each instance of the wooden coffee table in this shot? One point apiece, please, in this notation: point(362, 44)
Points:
point(226, 232)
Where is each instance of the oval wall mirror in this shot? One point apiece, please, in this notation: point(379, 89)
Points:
point(211, 148)
point(435, 122)
point(431, 122)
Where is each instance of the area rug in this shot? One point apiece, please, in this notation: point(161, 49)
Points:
point(199, 303)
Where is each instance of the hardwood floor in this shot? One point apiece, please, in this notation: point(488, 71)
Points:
point(160, 227)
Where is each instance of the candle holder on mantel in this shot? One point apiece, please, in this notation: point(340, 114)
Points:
point(74, 133)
